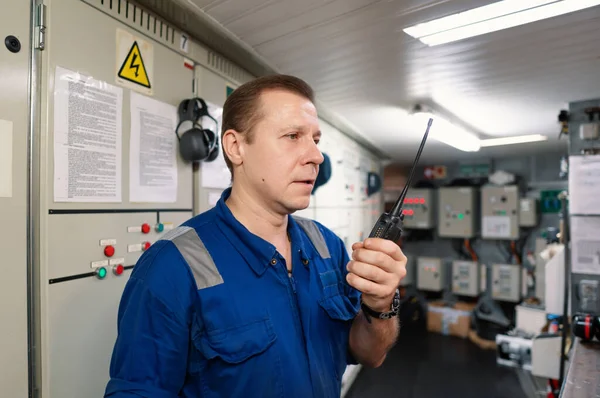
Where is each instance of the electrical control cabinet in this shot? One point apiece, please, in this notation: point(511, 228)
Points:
point(457, 212)
point(500, 212)
point(431, 274)
point(528, 212)
point(465, 278)
point(14, 167)
point(419, 208)
point(506, 282)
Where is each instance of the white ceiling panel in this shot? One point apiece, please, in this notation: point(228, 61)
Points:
point(365, 68)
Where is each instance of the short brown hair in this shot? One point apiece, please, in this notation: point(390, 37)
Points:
point(241, 111)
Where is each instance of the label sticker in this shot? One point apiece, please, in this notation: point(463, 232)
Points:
point(107, 242)
point(134, 248)
point(117, 261)
point(98, 264)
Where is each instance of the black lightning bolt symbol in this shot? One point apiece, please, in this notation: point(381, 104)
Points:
point(131, 65)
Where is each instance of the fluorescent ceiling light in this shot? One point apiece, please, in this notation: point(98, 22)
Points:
point(520, 139)
point(444, 131)
point(491, 18)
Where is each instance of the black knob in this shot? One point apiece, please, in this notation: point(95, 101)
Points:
point(12, 44)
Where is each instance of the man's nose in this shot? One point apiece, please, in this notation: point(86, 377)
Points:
point(314, 154)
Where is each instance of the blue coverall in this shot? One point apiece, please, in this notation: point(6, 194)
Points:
point(210, 311)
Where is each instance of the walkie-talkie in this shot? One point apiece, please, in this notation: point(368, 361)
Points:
point(389, 225)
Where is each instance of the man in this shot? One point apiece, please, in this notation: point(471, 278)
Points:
point(246, 300)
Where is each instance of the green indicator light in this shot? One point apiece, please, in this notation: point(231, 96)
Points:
point(160, 227)
point(460, 216)
point(101, 273)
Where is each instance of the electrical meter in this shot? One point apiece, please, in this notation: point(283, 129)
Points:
point(506, 282)
point(465, 278)
point(430, 274)
point(456, 212)
point(500, 212)
point(418, 209)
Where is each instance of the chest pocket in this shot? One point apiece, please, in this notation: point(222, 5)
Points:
point(241, 359)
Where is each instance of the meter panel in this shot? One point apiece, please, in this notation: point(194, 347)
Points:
point(457, 214)
point(500, 212)
point(465, 278)
point(418, 209)
point(430, 274)
point(506, 282)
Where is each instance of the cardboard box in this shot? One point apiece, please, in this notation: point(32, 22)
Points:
point(449, 321)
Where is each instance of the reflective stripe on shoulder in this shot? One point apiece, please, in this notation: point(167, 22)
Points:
point(194, 252)
point(314, 234)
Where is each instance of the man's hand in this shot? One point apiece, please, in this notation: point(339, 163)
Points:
point(376, 269)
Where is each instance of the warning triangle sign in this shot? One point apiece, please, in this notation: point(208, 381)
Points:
point(133, 68)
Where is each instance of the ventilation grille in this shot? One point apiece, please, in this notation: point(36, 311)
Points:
point(228, 68)
point(137, 17)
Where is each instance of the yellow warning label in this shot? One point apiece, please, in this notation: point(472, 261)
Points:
point(133, 68)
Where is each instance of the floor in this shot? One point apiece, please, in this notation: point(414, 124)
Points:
point(430, 365)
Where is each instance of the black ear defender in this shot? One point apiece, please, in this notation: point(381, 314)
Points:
point(197, 143)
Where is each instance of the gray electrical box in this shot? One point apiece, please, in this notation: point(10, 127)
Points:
point(588, 293)
point(457, 213)
point(411, 268)
point(528, 212)
point(418, 209)
point(589, 131)
point(430, 274)
point(465, 278)
point(506, 282)
point(500, 212)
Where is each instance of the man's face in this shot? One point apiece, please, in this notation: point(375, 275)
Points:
point(282, 162)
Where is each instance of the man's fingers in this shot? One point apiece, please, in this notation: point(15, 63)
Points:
point(378, 258)
point(366, 286)
point(386, 246)
point(368, 271)
point(357, 245)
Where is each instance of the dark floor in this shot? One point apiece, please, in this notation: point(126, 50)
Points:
point(431, 365)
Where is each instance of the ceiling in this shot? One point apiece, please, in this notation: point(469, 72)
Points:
point(366, 69)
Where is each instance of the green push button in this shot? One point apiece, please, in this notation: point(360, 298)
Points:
point(160, 227)
point(101, 273)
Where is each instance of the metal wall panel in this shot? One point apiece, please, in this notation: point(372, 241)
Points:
point(14, 71)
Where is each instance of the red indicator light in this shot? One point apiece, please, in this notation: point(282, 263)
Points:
point(146, 246)
point(109, 251)
point(145, 228)
point(118, 270)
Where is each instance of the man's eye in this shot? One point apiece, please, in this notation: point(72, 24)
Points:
point(293, 136)
point(317, 141)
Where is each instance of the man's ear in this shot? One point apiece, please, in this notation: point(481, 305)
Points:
point(232, 146)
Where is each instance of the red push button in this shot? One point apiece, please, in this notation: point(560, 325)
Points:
point(146, 246)
point(145, 228)
point(118, 269)
point(109, 251)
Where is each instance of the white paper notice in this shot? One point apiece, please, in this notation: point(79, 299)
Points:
point(584, 184)
point(215, 174)
point(152, 151)
point(496, 226)
point(6, 163)
point(87, 139)
point(585, 243)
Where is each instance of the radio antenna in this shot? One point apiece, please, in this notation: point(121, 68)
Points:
point(398, 205)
